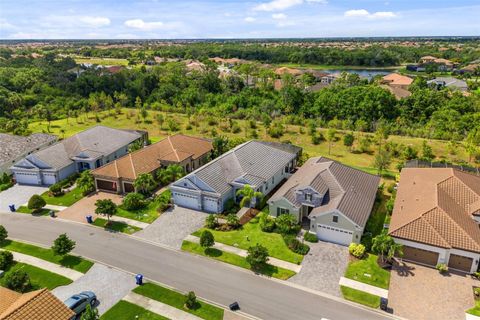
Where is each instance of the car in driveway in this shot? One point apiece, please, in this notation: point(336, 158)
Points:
point(78, 302)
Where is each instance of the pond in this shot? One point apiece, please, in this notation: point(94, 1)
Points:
point(363, 73)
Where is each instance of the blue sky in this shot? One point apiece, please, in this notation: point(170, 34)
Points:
point(84, 19)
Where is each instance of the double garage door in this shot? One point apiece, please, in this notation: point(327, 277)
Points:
point(192, 202)
point(335, 235)
point(430, 258)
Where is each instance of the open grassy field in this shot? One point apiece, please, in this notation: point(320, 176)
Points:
point(295, 134)
point(333, 67)
point(103, 61)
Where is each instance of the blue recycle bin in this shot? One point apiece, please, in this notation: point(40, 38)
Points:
point(89, 219)
point(139, 279)
point(12, 208)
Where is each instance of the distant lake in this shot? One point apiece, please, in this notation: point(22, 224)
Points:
point(363, 73)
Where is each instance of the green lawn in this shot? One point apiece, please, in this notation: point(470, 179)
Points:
point(69, 261)
point(177, 300)
point(39, 278)
point(268, 270)
point(475, 310)
point(361, 297)
point(65, 200)
point(124, 310)
point(41, 212)
point(361, 269)
point(116, 226)
point(251, 234)
point(147, 214)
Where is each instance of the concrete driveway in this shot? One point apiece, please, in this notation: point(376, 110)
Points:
point(86, 206)
point(323, 267)
point(418, 292)
point(18, 195)
point(109, 284)
point(173, 226)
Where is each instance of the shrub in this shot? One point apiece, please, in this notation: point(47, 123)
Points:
point(206, 239)
point(211, 221)
point(257, 256)
point(56, 190)
point(232, 221)
point(36, 203)
point(190, 300)
point(476, 274)
point(63, 245)
point(18, 280)
point(476, 291)
point(6, 260)
point(356, 249)
point(442, 268)
point(316, 139)
point(295, 245)
point(267, 223)
point(3, 234)
point(134, 201)
point(286, 223)
point(310, 237)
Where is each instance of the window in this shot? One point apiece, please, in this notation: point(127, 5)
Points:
point(308, 197)
point(335, 219)
point(286, 169)
point(281, 211)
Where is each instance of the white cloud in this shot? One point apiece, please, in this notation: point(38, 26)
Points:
point(250, 19)
point(277, 5)
point(318, 1)
point(279, 16)
point(142, 25)
point(5, 25)
point(362, 13)
point(94, 21)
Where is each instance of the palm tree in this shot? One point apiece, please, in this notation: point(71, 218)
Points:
point(248, 195)
point(175, 172)
point(395, 249)
point(86, 182)
point(144, 183)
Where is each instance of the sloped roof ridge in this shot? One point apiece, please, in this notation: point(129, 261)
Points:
point(173, 148)
point(22, 301)
point(463, 182)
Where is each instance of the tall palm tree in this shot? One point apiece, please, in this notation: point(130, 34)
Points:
point(248, 195)
point(144, 183)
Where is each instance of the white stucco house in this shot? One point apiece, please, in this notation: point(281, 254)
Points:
point(437, 216)
point(262, 165)
point(333, 199)
point(86, 150)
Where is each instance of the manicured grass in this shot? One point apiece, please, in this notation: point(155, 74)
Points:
point(41, 212)
point(475, 310)
point(126, 310)
point(65, 200)
point(268, 270)
point(177, 300)
point(360, 269)
point(339, 152)
point(147, 214)
point(251, 234)
point(361, 297)
point(116, 226)
point(39, 278)
point(69, 261)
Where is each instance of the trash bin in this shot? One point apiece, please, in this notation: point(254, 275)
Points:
point(139, 279)
point(52, 213)
point(234, 306)
point(89, 219)
point(12, 207)
point(384, 304)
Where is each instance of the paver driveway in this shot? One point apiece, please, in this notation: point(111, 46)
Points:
point(18, 195)
point(418, 292)
point(86, 206)
point(173, 226)
point(323, 267)
point(109, 284)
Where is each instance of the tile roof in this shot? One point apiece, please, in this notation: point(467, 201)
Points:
point(398, 92)
point(396, 79)
point(175, 148)
point(12, 146)
point(435, 206)
point(91, 143)
point(350, 191)
point(39, 305)
point(255, 160)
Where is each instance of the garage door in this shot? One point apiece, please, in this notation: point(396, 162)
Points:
point(106, 185)
point(419, 255)
point(128, 187)
point(210, 204)
point(185, 200)
point(26, 178)
point(49, 179)
point(460, 262)
point(335, 235)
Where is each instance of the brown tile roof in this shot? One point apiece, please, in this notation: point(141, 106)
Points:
point(435, 206)
point(175, 148)
point(396, 79)
point(398, 92)
point(39, 305)
point(292, 71)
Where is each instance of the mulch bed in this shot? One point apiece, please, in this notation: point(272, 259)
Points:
point(249, 215)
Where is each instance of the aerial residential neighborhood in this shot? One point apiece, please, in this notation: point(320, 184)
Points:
point(239, 160)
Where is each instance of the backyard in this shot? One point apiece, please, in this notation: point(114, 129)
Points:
point(250, 234)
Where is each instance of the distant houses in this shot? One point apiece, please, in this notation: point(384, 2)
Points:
point(397, 84)
point(448, 82)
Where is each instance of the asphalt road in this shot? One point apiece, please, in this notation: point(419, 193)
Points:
point(215, 281)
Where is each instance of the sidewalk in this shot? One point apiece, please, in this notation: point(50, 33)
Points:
point(363, 287)
point(131, 222)
point(53, 207)
point(243, 253)
point(52, 267)
point(159, 307)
